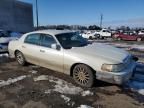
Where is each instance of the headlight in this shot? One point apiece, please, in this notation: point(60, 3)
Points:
point(113, 67)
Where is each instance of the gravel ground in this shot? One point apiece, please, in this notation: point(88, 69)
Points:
point(36, 87)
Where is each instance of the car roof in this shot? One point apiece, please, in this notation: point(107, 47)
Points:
point(52, 32)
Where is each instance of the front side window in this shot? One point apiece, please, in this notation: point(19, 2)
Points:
point(47, 40)
point(33, 39)
point(69, 40)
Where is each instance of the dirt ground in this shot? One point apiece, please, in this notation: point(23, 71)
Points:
point(36, 87)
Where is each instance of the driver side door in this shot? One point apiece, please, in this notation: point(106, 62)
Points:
point(49, 57)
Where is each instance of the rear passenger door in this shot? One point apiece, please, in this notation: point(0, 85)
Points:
point(50, 58)
point(30, 48)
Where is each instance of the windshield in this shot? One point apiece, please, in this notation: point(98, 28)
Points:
point(69, 40)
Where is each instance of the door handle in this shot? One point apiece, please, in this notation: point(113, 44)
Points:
point(42, 51)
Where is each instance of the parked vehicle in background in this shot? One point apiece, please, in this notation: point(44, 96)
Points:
point(113, 32)
point(89, 35)
point(128, 36)
point(6, 37)
point(141, 32)
point(69, 53)
point(104, 33)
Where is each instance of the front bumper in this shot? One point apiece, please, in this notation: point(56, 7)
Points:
point(117, 78)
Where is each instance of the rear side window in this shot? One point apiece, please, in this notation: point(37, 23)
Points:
point(47, 40)
point(33, 39)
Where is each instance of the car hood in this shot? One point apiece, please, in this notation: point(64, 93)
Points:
point(101, 51)
point(7, 39)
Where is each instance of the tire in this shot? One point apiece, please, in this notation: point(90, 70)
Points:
point(90, 38)
point(139, 39)
point(98, 36)
point(83, 75)
point(20, 58)
point(101, 37)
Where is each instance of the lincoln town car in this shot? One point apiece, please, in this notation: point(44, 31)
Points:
point(69, 53)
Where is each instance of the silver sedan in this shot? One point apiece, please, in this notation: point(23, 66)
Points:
point(69, 53)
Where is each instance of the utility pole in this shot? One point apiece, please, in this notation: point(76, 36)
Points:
point(37, 15)
point(101, 20)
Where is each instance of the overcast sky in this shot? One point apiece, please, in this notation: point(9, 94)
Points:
point(85, 12)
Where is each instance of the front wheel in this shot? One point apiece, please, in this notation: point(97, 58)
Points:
point(20, 58)
point(83, 75)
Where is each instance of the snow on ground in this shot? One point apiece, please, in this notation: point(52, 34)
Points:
point(41, 78)
point(33, 71)
point(11, 81)
point(128, 47)
point(85, 106)
point(87, 93)
point(67, 100)
point(62, 86)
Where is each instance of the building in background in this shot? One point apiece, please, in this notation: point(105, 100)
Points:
point(16, 16)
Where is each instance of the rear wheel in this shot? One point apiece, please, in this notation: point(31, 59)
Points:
point(83, 75)
point(139, 39)
point(20, 58)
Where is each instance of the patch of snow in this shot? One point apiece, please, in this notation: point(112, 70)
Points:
point(48, 91)
point(128, 47)
point(85, 106)
point(138, 47)
point(33, 71)
point(141, 91)
point(41, 78)
point(66, 99)
point(11, 81)
point(60, 86)
point(64, 87)
point(72, 104)
point(67, 89)
point(87, 93)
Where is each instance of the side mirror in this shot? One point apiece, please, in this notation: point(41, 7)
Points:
point(55, 46)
